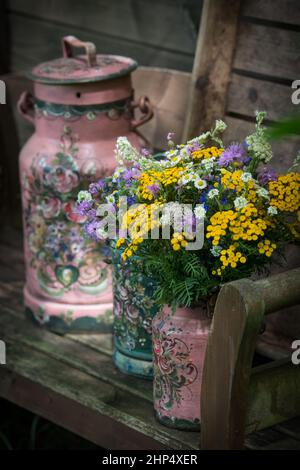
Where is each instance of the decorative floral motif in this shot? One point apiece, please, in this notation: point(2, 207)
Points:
point(61, 256)
point(113, 110)
point(134, 309)
point(173, 369)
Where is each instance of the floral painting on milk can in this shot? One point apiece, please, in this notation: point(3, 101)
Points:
point(80, 105)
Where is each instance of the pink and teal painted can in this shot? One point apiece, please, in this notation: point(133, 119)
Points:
point(179, 346)
point(134, 310)
point(80, 105)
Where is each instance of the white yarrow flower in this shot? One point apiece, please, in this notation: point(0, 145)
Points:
point(124, 151)
point(272, 210)
point(84, 196)
point(212, 193)
point(216, 250)
point(246, 177)
point(199, 212)
point(262, 192)
point(240, 202)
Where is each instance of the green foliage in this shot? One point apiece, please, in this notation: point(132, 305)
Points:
point(287, 127)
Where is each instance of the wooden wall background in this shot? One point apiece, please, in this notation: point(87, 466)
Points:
point(159, 33)
point(163, 33)
point(265, 63)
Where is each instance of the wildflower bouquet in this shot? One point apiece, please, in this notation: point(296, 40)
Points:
point(246, 211)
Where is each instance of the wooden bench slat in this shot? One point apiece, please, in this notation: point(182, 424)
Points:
point(273, 394)
point(79, 402)
point(31, 350)
point(70, 353)
point(270, 439)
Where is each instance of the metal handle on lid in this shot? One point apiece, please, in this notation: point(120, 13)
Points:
point(71, 41)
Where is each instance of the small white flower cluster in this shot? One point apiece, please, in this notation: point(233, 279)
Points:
point(200, 212)
point(216, 250)
point(272, 210)
point(212, 193)
point(263, 192)
point(84, 196)
point(124, 151)
point(240, 202)
point(258, 143)
point(117, 173)
point(246, 177)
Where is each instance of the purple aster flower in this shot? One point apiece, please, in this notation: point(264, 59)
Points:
point(234, 153)
point(91, 214)
point(132, 173)
point(266, 175)
point(145, 152)
point(83, 207)
point(94, 188)
point(91, 229)
point(193, 147)
point(153, 188)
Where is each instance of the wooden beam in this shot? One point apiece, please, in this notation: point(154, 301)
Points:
point(280, 291)
point(236, 323)
point(273, 395)
point(212, 65)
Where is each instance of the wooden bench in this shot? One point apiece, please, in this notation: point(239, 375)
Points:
point(237, 398)
point(72, 381)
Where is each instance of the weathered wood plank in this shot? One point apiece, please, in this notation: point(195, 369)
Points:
point(283, 11)
point(266, 50)
point(284, 151)
point(26, 360)
point(270, 439)
point(230, 352)
point(81, 403)
point(212, 65)
point(164, 24)
point(68, 351)
point(33, 41)
point(290, 428)
point(102, 343)
point(273, 394)
point(246, 95)
point(279, 291)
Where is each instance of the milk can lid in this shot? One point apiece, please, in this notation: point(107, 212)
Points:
point(91, 67)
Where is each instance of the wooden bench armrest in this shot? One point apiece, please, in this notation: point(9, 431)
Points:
point(238, 317)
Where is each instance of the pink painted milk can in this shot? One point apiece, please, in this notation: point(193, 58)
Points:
point(179, 346)
point(80, 106)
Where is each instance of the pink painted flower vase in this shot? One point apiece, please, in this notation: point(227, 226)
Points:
point(179, 346)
